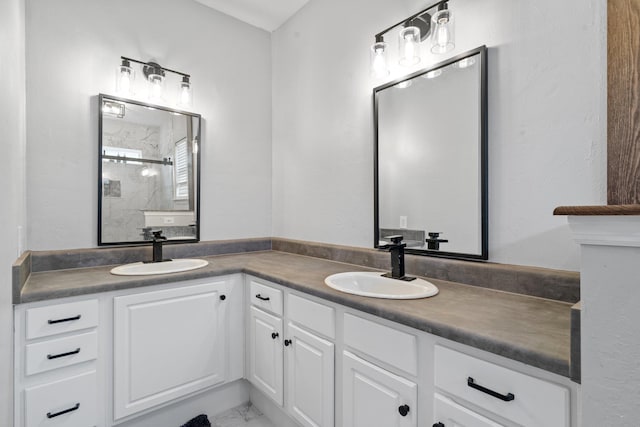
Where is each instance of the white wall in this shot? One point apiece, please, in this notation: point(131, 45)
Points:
point(73, 49)
point(12, 177)
point(547, 112)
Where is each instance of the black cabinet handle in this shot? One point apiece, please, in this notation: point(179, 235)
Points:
point(68, 319)
point(262, 298)
point(505, 397)
point(275, 335)
point(66, 411)
point(287, 343)
point(438, 425)
point(55, 356)
point(404, 410)
point(223, 297)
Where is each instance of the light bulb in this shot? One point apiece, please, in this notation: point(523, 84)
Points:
point(409, 48)
point(379, 67)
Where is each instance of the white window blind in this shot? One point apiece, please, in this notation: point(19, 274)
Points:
point(181, 170)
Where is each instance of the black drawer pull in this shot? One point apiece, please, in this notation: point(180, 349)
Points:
point(68, 319)
point(55, 356)
point(66, 411)
point(404, 410)
point(262, 298)
point(505, 397)
point(275, 335)
point(287, 343)
point(223, 297)
point(438, 425)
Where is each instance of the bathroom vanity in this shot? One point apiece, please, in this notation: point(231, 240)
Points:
point(97, 349)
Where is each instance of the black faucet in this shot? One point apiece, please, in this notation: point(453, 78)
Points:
point(158, 239)
point(396, 247)
point(433, 242)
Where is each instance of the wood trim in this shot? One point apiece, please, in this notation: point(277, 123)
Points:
point(623, 102)
point(598, 210)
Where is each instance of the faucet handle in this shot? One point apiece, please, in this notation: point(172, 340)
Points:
point(397, 239)
point(157, 235)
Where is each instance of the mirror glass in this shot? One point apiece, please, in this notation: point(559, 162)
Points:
point(431, 159)
point(148, 172)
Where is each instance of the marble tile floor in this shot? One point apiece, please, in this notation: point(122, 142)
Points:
point(241, 416)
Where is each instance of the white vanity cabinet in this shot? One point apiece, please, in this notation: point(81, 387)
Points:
point(292, 364)
point(169, 343)
point(57, 365)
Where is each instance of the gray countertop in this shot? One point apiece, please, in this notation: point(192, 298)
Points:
point(528, 329)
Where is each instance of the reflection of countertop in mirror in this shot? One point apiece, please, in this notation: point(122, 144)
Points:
point(528, 329)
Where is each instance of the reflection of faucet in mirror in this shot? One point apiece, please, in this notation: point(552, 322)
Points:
point(433, 242)
point(396, 247)
point(158, 239)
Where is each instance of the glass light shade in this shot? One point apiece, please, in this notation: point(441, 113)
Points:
point(125, 76)
point(409, 46)
point(379, 68)
point(156, 86)
point(185, 93)
point(442, 36)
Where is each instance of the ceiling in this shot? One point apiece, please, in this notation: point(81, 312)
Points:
point(268, 15)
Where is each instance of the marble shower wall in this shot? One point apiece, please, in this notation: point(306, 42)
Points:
point(142, 186)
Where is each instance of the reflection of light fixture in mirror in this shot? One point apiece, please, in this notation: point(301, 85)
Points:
point(116, 109)
point(432, 74)
point(124, 78)
point(442, 38)
point(378, 54)
point(405, 84)
point(466, 62)
point(185, 92)
point(409, 39)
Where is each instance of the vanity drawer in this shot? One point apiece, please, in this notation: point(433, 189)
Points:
point(266, 297)
point(61, 352)
point(397, 348)
point(317, 317)
point(61, 318)
point(449, 413)
point(520, 398)
point(67, 403)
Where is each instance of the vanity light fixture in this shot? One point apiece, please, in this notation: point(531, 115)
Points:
point(415, 29)
point(466, 62)
point(155, 76)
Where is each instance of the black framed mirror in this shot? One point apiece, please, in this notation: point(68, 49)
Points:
point(148, 172)
point(430, 159)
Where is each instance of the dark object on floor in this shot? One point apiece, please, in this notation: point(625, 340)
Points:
point(199, 421)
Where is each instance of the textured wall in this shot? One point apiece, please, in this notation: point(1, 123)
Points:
point(73, 48)
point(12, 177)
point(547, 115)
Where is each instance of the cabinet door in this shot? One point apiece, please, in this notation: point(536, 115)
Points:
point(168, 344)
point(373, 396)
point(450, 414)
point(310, 373)
point(265, 354)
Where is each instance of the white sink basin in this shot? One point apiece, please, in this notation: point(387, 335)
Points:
point(173, 266)
point(373, 285)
